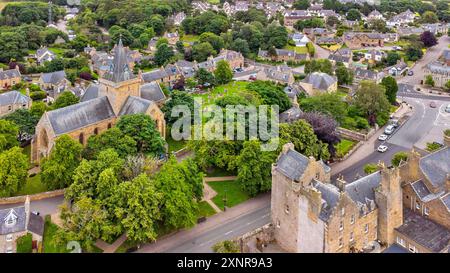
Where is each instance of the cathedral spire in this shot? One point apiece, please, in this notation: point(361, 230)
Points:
point(119, 70)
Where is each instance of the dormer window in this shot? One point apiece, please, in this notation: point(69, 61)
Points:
point(10, 219)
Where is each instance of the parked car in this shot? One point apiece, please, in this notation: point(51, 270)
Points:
point(447, 109)
point(382, 137)
point(382, 148)
point(394, 122)
point(433, 104)
point(389, 130)
point(410, 73)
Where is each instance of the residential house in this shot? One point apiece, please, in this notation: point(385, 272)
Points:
point(292, 16)
point(343, 55)
point(351, 23)
point(391, 37)
point(241, 6)
point(13, 100)
point(356, 40)
point(375, 15)
point(16, 222)
point(282, 55)
point(436, 29)
point(401, 19)
point(43, 55)
point(9, 77)
point(178, 18)
point(361, 74)
point(54, 82)
point(281, 74)
point(314, 33)
point(299, 39)
point(374, 56)
point(439, 71)
point(202, 6)
point(398, 69)
point(328, 40)
point(319, 83)
point(172, 37)
point(151, 48)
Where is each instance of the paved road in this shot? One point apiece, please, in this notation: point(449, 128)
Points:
point(431, 55)
point(45, 207)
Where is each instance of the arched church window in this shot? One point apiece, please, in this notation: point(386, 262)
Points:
point(81, 138)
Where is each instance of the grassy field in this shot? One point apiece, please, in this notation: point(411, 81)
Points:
point(216, 92)
point(229, 189)
point(298, 49)
point(214, 2)
point(188, 38)
point(50, 246)
point(205, 210)
point(175, 145)
point(32, 186)
point(343, 147)
point(332, 47)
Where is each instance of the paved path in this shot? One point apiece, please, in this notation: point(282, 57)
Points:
point(111, 248)
point(242, 218)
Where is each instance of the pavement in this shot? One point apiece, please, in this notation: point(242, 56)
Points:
point(234, 222)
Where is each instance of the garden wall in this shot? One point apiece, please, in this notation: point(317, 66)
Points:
point(353, 135)
point(33, 197)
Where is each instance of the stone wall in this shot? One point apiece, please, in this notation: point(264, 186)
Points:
point(34, 197)
point(253, 241)
point(353, 135)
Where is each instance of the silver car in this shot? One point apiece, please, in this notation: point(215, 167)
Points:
point(447, 109)
point(389, 130)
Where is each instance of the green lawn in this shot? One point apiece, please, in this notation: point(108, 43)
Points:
point(58, 51)
point(205, 210)
point(298, 49)
point(343, 147)
point(189, 38)
point(32, 186)
point(216, 92)
point(173, 144)
point(332, 47)
point(49, 244)
point(214, 2)
point(27, 151)
point(229, 189)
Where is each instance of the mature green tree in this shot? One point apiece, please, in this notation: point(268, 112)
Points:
point(13, 171)
point(8, 134)
point(164, 54)
point(429, 80)
point(399, 157)
point(240, 45)
point(321, 65)
point(116, 33)
point(301, 4)
point(177, 98)
point(143, 130)
point(378, 25)
point(201, 51)
point(371, 99)
point(217, 153)
point(390, 84)
point(413, 52)
point(66, 98)
point(330, 104)
point(178, 205)
point(392, 58)
point(96, 177)
point(38, 108)
point(137, 208)
point(344, 75)
point(58, 168)
point(204, 76)
point(370, 168)
point(25, 120)
point(353, 15)
point(429, 17)
point(301, 134)
point(223, 73)
point(193, 176)
point(271, 94)
point(226, 247)
point(214, 40)
point(12, 46)
point(309, 23)
point(254, 168)
point(110, 139)
point(275, 35)
point(252, 15)
point(332, 21)
point(447, 86)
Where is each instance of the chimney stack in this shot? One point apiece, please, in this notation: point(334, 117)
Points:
point(340, 183)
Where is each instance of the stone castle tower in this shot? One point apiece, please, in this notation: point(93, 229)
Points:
point(388, 197)
point(119, 81)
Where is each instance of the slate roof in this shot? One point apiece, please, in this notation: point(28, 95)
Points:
point(36, 224)
point(439, 68)
point(154, 75)
point(367, 74)
point(436, 166)
point(76, 116)
point(53, 77)
point(119, 70)
point(9, 74)
point(152, 91)
point(91, 92)
point(290, 115)
point(292, 164)
point(424, 231)
point(363, 189)
point(330, 197)
point(13, 97)
point(446, 55)
point(135, 105)
point(321, 81)
point(19, 226)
